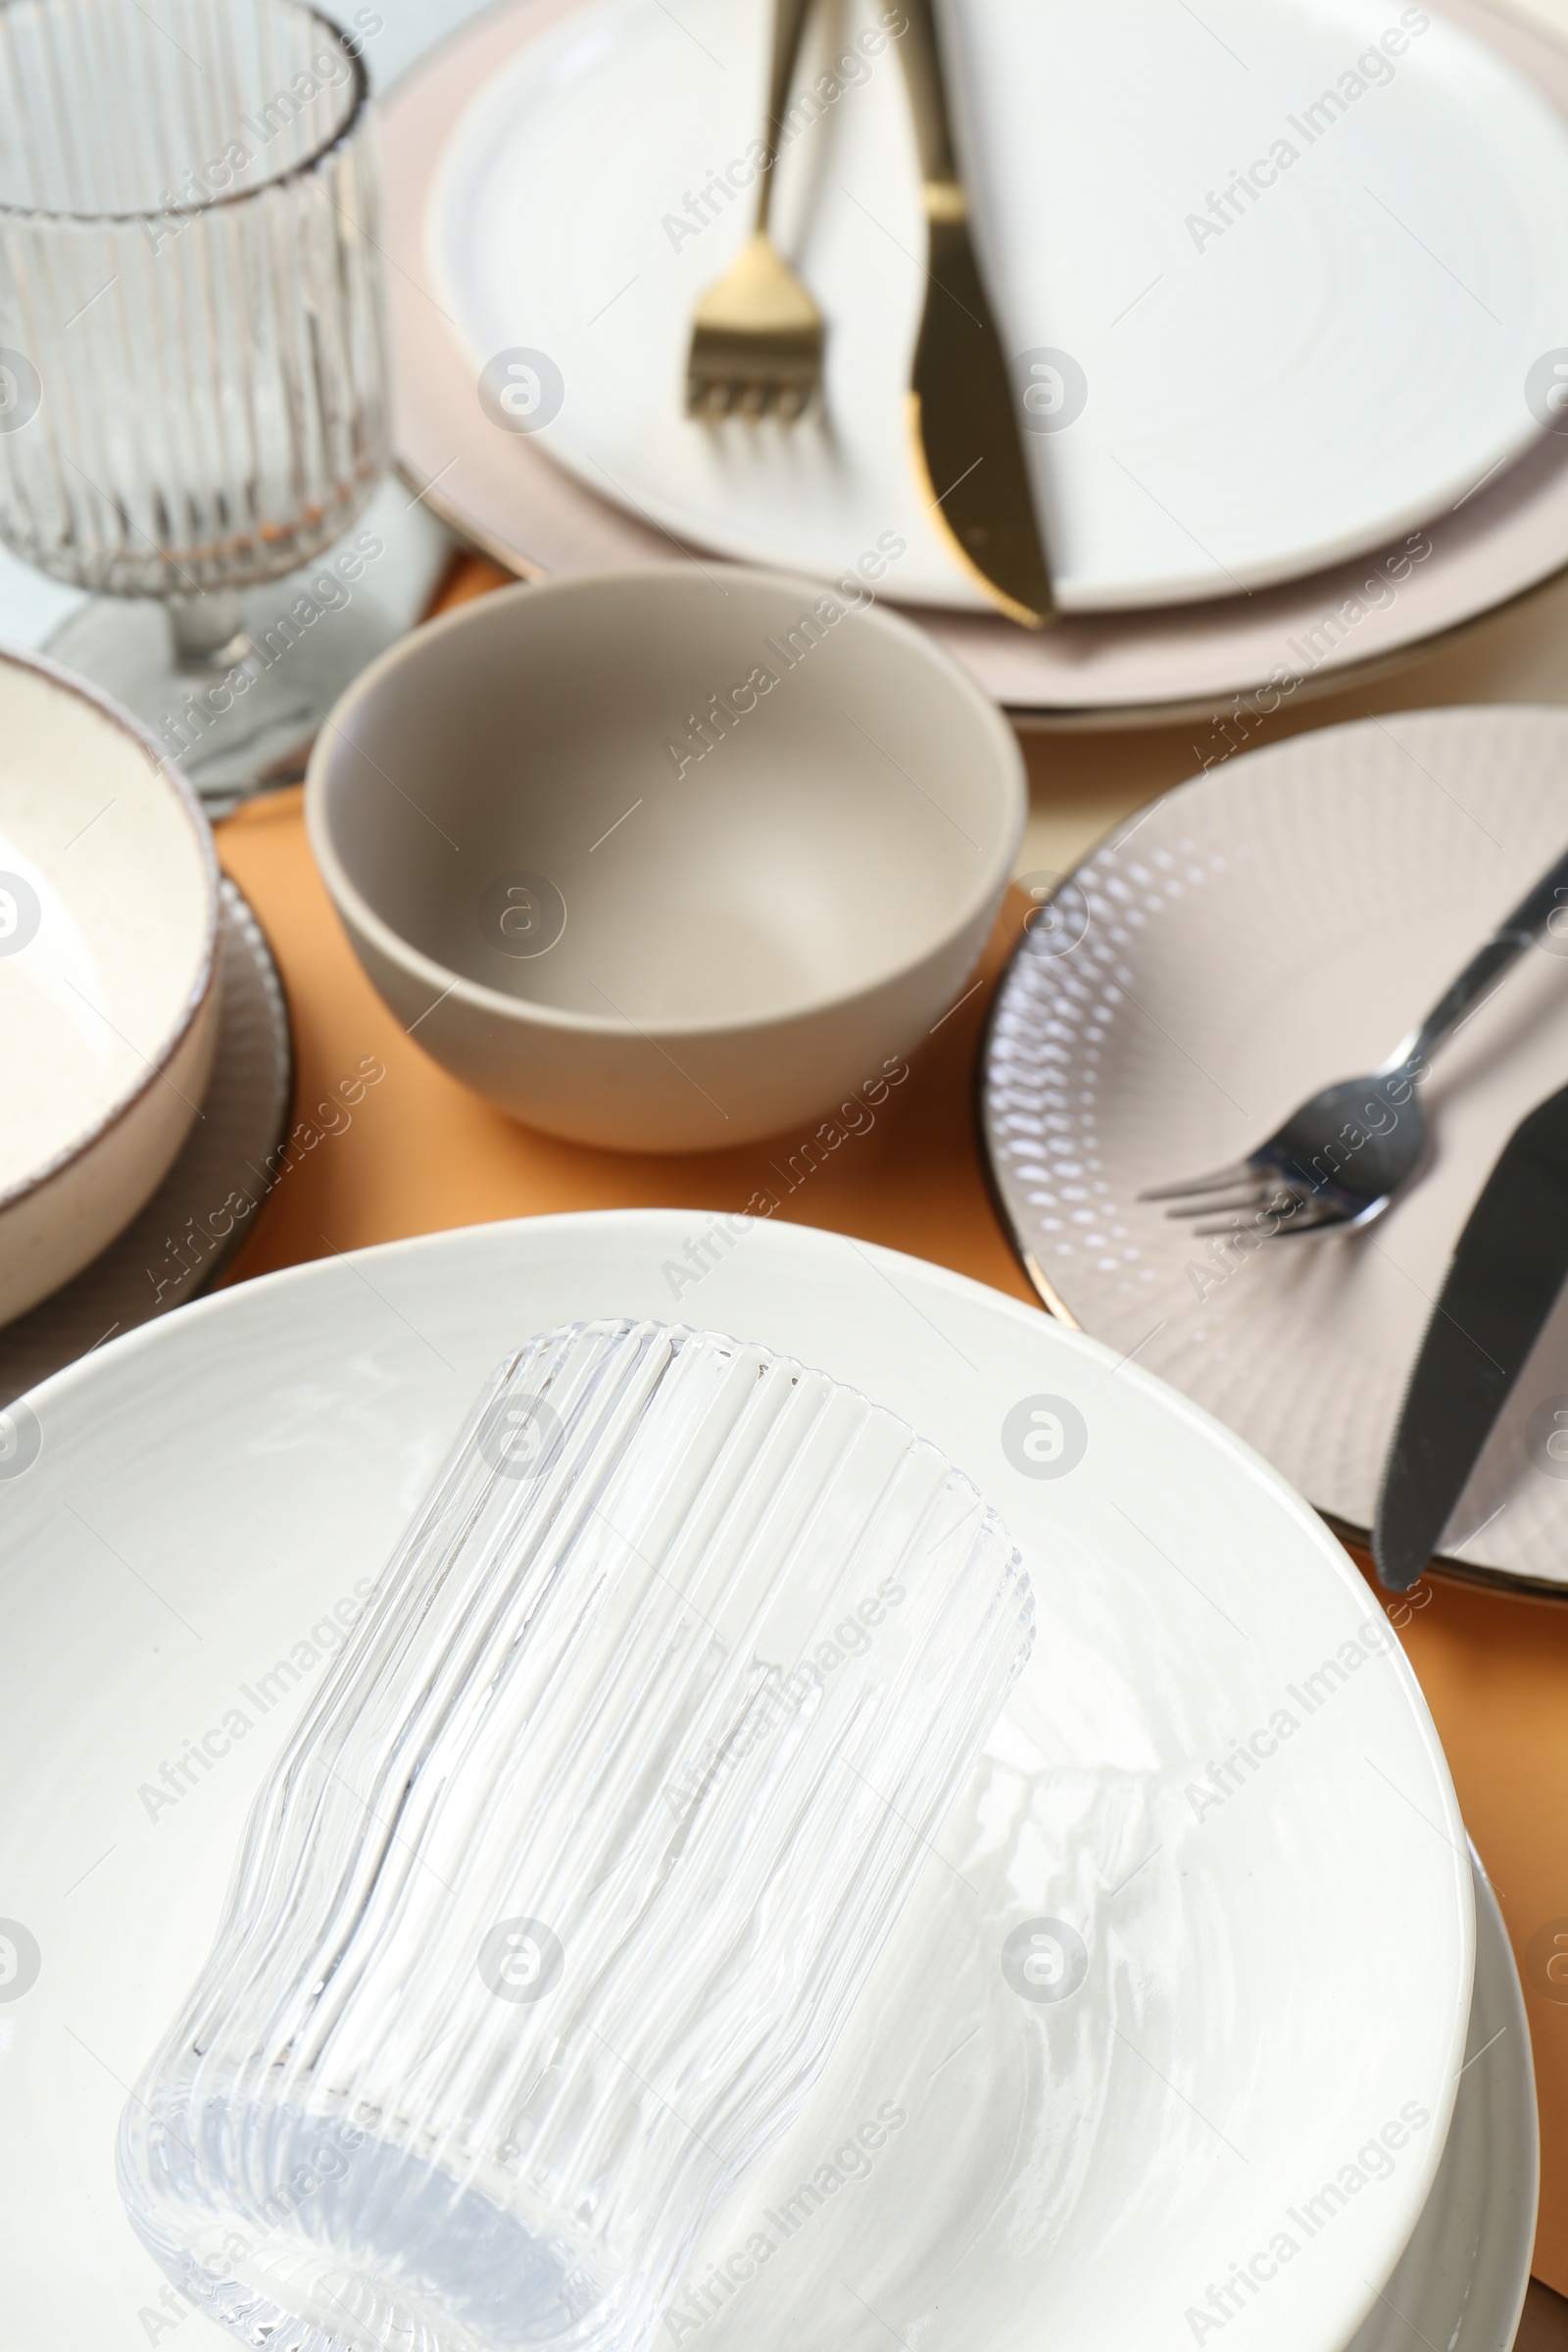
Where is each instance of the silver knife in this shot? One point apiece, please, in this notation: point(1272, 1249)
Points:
point(1509, 1265)
point(964, 428)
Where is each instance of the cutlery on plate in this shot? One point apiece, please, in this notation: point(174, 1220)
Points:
point(758, 336)
point(1343, 1154)
point(1508, 1267)
point(963, 425)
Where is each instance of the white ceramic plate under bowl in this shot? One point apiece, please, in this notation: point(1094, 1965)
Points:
point(1233, 2032)
point(1276, 924)
point(202, 1212)
point(1501, 532)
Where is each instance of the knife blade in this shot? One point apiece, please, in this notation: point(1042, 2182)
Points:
point(962, 426)
point(1508, 1266)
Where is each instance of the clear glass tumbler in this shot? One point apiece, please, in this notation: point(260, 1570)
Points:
point(192, 350)
point(553, 1909)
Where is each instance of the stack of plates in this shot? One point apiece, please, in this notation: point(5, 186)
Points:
point(1149, 2048)
point(1287, 310)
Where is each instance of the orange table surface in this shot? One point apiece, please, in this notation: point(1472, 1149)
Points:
point(421, 1154)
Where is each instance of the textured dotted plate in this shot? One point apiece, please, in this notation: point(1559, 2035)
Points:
point(1280, 922)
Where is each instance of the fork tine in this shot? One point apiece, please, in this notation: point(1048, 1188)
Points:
point(1290, 1223)
point(757, 340)
point(712, 397)
point(1319, 1224)
point(1248, 1205)
point(1240, 1173)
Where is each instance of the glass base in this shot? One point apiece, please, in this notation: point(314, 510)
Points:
point(233, 686)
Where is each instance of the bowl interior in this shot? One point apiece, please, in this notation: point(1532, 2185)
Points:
point(669, 798)
point(106, 912)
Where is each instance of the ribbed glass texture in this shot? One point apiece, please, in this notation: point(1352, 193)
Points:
point(553, 1909)
point(192, 362)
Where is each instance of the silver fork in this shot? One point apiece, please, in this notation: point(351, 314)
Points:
point(1343, 1154)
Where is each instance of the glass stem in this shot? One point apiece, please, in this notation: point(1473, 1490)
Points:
point(207, 630)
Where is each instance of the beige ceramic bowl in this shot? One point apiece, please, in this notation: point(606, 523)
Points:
point(108, 989)
point(667, 861)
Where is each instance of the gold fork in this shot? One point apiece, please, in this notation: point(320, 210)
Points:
point(758, 336)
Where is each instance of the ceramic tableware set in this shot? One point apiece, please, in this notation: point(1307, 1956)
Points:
point(853, 1804)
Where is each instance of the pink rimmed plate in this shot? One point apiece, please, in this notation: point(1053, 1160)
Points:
point(461, 297)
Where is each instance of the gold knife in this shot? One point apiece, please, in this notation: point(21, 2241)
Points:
point(963, 429)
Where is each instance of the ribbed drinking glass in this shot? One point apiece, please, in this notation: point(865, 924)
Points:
point(192, 362)
point(553, 1909)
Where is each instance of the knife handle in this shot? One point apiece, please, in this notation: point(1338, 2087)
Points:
point(789, 29)
point(943, 187)
point(1507, 944)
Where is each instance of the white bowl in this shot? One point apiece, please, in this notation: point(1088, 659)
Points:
point(107, 973)
point(632, 934)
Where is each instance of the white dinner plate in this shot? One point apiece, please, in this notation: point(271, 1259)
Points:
point(1301, 639)
point(1272, 278)
point(1235, 2050)
point(1280, 922)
